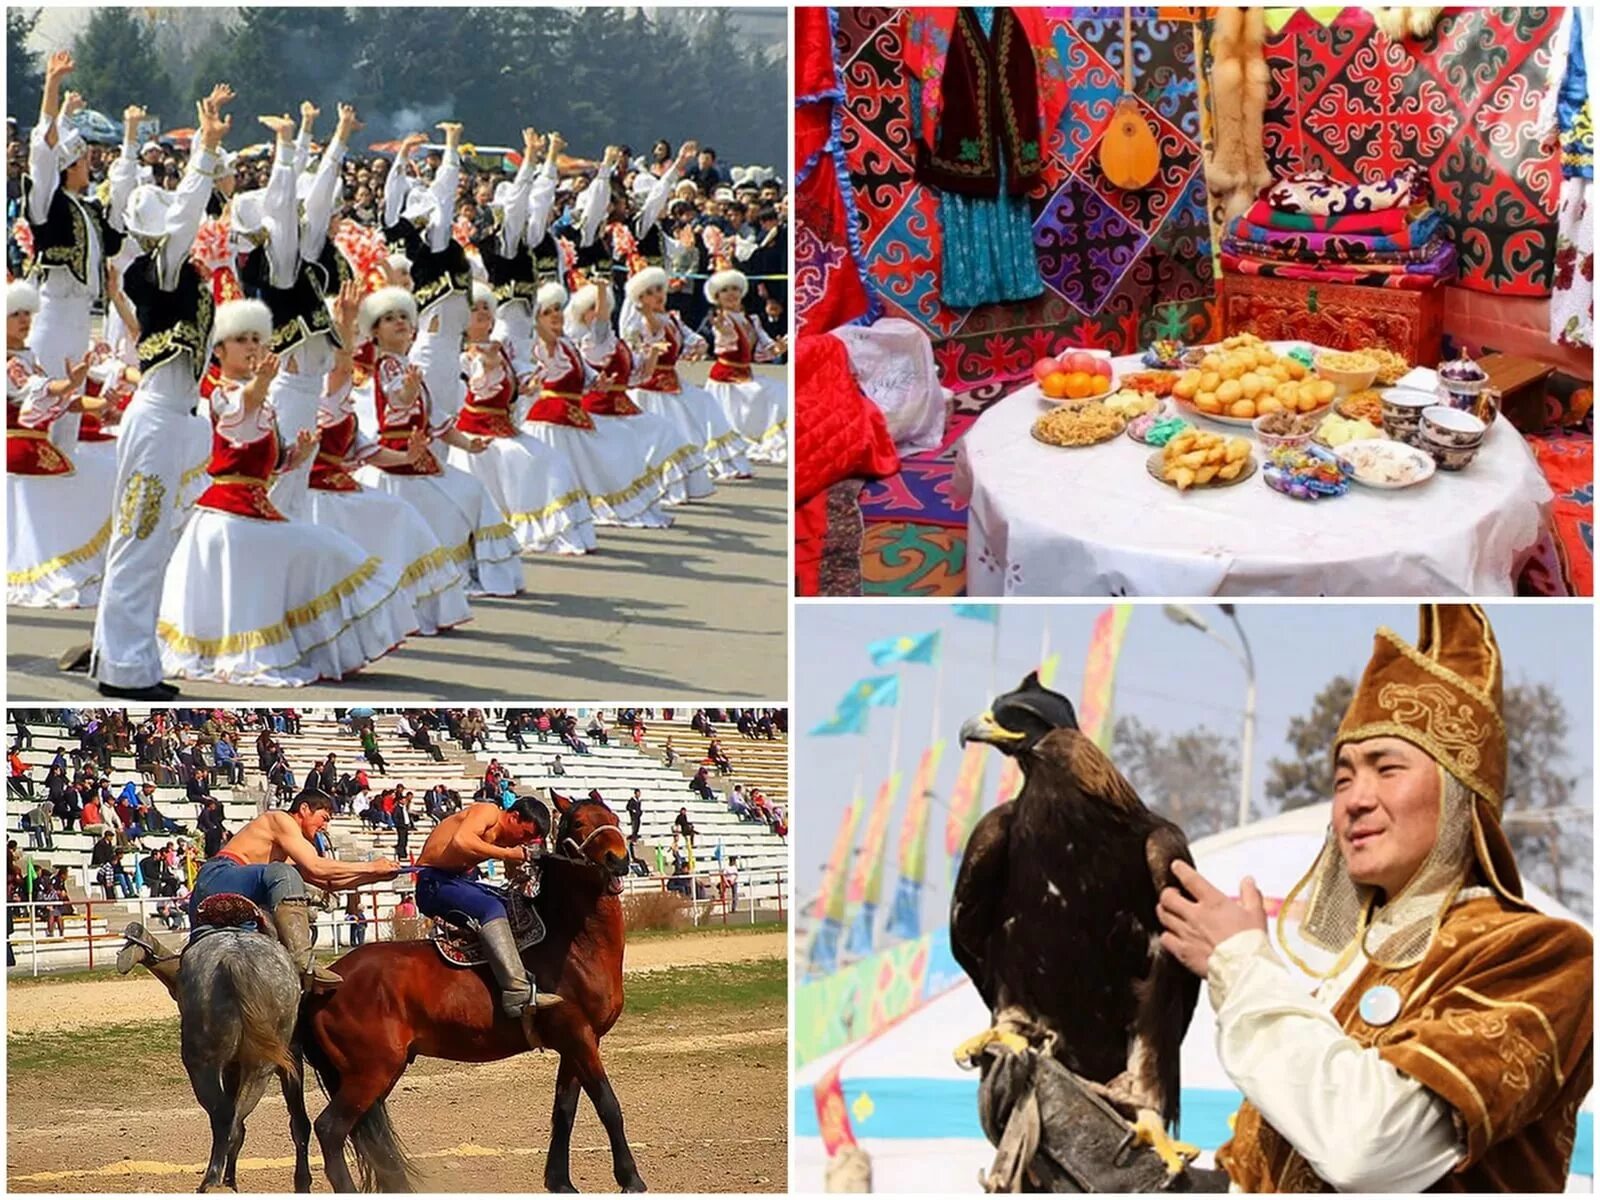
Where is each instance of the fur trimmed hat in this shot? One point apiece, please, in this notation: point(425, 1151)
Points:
point(381, 303)
point(551, 295)
point(723, 280)
point(646, 280)
point(21, 296)
point(238, 317)
point(482, 293)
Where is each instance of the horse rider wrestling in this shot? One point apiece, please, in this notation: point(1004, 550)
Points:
point(269, 861)
point(459, 844)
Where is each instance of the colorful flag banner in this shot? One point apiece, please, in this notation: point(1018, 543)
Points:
point(963, 813)
point(1010, 773)
point(830, 900)
point(905, 915)
point(920, 648)
point(850, 714)
point(1100, 674)
point(978, 612)
point(866, 878)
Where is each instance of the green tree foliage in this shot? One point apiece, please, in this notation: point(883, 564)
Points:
point(1191, 778)
point(1305, 777)
point(24, 71)
point(117, 65)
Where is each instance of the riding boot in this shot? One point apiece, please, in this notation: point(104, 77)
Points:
point(516, 989)
point(141, 947)
point(292, 918)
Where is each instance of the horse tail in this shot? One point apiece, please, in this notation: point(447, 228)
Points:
point(260, 1043)
point(381, 1160)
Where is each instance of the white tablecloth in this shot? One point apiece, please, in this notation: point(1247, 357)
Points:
point(1090, 521)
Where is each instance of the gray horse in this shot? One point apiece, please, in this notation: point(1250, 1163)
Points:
point(239, 998)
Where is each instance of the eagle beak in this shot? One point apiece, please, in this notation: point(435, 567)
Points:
point(984, 728)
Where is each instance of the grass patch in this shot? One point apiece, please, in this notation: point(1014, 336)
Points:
point(679, 991)
point(117, 1056)
point(714, 930)
point(52, 977)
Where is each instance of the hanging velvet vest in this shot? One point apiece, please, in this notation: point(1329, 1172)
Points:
point(990, 113)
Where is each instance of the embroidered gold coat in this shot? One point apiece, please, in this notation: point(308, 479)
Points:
point(1497, 1020)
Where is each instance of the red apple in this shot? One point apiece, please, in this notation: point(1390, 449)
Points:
point(1102, 367)
point(1045, 366)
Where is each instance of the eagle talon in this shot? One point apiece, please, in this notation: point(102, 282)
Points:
point(969, 1051)
point(1149, 1131)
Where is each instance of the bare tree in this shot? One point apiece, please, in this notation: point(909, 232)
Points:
point(1191, 778)
point(1305, 778)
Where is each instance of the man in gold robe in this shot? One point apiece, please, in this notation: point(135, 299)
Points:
point(1446, 1044)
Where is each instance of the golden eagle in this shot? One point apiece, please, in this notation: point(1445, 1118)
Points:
point(1054, 917)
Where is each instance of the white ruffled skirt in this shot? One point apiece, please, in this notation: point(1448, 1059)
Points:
point(57, 527)
point(197, 454)
point(431, 581)
point(667, 451)
point(695, 464)
point(759, 409)
point(536, 490)
point(610, 465)
point(723, 445)
point(465, 522)
point(275, 603)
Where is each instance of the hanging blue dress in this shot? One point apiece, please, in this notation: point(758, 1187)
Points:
point(988, 243)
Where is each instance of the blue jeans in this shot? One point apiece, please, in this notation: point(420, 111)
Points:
point(264, 883)
point(441, 894)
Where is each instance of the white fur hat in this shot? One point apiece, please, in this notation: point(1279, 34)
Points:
point(381, 303)
point(645, 281)
point(723, 280)
point(21, 296)
point(238, 317)
point(482, 293)
point(398, 262)
point(582, 304)
point(551, 295)
point(70, 146)
point(145, 214)
point(247, 217)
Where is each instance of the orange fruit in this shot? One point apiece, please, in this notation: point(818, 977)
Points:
point(1055, 385)
point(1080, 384)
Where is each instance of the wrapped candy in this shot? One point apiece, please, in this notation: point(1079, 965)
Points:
point(1164, 352)
point(1307, 474)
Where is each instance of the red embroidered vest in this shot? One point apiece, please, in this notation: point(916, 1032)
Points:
point(328, 472)
point(560, 399)
point(240, 476)
point(609, 395)
point(665, 377)
point(734, 367)
point(490, 415)
point(395, 429)
point(29, 451)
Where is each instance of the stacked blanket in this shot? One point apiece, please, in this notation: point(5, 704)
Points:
point(1309, 226)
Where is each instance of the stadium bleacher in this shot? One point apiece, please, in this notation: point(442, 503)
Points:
point(92, 932)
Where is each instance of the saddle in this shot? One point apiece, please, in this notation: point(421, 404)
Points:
point(229, 910)
point(457, 940)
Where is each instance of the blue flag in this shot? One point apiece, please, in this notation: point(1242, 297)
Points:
point(878, 691)
point(978, 612)
point(923, 648)
point(905, 917)
point(847, 718)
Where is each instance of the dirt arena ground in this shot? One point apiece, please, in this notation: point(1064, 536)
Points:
point(97, 1100)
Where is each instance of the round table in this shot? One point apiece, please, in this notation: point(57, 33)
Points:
point(1090, 521)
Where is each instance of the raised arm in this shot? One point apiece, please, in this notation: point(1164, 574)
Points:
point(324, 194)
point(542, 195)
point(42, 160)
point(401, 179)
point(589, 211)
point(443, 187)
point(124, 174)
point(515, 216)
point(302, 140)
point(278, 208)
point(661, 191)
point(188, 209)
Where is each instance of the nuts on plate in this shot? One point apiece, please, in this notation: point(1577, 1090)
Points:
point(1079, 426)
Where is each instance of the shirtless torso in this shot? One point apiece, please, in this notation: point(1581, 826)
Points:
point(465, 839)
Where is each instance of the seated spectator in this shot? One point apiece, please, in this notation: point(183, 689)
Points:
point(18, 782)
point(759, 805)
point(701, 786)
point(715, 754)
point(746, 724)
point(764, 727)
point(738, 805)
point(597, 730)
point(39, 821)
point(780, 821)
point(421, 739)
point(542, 726)
point(682, 824)
point(228, 760)
point(555, 767)
point(514, 732)
point(668, 754)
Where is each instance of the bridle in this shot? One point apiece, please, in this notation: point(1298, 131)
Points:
point(564, 838)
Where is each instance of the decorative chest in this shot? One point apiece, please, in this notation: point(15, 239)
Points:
point(1340, 316)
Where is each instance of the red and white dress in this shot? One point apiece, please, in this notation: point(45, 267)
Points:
point(58, 511)
point(455, 505)
point(432, 581)
point(666, 447)
point(666, 393)
point(610, 463)
point(251, 597)
point(532, 483)
point(757, 406)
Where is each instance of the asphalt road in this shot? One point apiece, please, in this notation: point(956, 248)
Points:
point(696, 611)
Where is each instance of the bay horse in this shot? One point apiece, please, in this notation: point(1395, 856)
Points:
point(401, 999)
point(238, 997)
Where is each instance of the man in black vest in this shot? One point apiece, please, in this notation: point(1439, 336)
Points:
point(72, 236)
point(174, 308)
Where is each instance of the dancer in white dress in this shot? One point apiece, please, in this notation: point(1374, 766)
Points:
point(610, 464)
point(532, 483)
point(57, 509)
point(666, 448)
point(457, 507)
point(757, 406)
point(433, 582)
point(649, 327)
point(251, 596)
